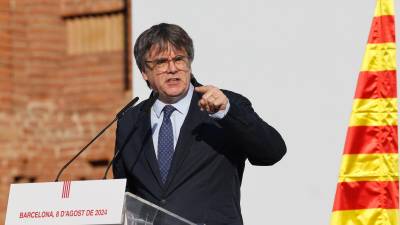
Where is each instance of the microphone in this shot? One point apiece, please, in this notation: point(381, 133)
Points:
point(153, 97)
point(119, 115)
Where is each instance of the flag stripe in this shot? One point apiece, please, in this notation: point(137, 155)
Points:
point(366, 194)
point(373, 119)
point(369, 167)
point(62, 193)
point(379, 57)
point(369, 140)
point(385, 7)
point(378, 84)
point(68, 188)
point(64, 188)
point(376, 105)
point(382, 30)
point(365, 217)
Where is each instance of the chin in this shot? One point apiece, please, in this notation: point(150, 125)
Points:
point(175, 94)
point(177, 91)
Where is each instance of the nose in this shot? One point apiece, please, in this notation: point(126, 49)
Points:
point(172, 67)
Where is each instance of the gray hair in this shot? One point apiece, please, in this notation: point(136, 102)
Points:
point(160, 36)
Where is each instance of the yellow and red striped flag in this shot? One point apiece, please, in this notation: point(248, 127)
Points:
point(367, 192)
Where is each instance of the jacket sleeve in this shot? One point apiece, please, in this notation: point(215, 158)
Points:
point(261, 143)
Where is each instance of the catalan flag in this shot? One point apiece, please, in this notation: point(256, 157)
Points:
point(367, 192)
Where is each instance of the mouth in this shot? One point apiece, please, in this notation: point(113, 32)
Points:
point(173, 80)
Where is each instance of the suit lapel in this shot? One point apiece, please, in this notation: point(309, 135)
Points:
point(147, 144)
point(186, 138)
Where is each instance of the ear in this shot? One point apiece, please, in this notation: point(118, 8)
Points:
point(145, 77)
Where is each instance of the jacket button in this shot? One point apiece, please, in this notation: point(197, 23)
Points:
point(163, 201)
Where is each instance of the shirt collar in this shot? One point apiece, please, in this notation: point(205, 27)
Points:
point(182, 106)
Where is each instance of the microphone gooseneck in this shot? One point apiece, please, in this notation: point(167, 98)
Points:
point(119, 115)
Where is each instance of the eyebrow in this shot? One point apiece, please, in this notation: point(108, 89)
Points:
point(162, 58)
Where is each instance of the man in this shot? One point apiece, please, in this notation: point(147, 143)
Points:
point(185, 147)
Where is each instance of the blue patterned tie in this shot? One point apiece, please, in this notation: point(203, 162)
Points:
point(165, 143)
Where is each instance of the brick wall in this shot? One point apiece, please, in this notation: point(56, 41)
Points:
point(51, 102)
point(6, 86)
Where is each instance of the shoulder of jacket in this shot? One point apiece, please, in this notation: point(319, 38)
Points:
point(235, 97)
point(131, 114)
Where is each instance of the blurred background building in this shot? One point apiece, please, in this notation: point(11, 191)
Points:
point(64, 73)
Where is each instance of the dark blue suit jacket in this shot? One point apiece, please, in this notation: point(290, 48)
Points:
point(203, 184)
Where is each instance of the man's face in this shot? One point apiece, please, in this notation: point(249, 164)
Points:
point(168, 73)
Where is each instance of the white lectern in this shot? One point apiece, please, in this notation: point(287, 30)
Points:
point(95, 202)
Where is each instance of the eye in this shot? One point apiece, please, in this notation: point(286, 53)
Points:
point(179, 58)
point(159, 62)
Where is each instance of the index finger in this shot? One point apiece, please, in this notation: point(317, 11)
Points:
point(202, 89)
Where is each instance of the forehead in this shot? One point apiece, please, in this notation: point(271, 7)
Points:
point(162, 51)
